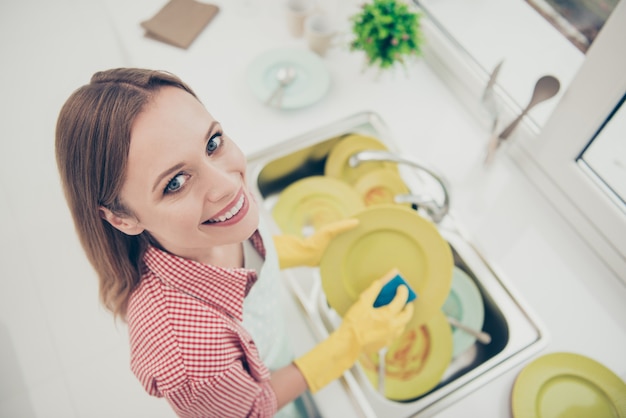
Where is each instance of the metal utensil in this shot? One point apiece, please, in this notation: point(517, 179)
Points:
point(308, 228)
point(435, 211)
point(545, 88)
point(285, 76)
point(381, 370)
point(488, 98)
point(493, 77)
point(481, 336)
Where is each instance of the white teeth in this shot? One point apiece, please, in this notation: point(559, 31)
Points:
point(230, 213)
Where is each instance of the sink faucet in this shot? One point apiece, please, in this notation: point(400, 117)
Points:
point(436, 211)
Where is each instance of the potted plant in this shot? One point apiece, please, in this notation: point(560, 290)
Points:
point(388, 32)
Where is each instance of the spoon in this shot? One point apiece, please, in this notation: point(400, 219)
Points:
point(481, 336)
point(545, 88)
point(285, 76)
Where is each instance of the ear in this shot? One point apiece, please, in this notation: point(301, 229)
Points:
point(126, 224)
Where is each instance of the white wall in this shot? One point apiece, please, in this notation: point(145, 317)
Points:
point(61, 355)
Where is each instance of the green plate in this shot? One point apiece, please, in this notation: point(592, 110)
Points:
point(337, 162)
point(380, 186)
point(310, 85)
point(313, 202)
point(416, 361)
point(465, 304)
point(568, 385)
point(388, 236)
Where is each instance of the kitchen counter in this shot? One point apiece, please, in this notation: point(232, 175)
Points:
point(578, 299)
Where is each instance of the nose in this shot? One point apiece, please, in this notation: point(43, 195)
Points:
point(218, 183)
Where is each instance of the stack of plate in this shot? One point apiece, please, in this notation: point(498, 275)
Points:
point(388, 236)
point(315, 201)
point(376, 182)
point(337, 165)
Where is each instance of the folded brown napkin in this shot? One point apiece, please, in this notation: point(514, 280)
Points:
point(179, 22)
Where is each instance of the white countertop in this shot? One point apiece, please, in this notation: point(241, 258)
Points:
point(577, 298)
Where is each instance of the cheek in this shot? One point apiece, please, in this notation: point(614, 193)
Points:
point(238, 161)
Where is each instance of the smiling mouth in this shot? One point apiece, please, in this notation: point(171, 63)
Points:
point(230, 213)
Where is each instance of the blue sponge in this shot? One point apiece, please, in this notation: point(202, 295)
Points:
point(388, 292)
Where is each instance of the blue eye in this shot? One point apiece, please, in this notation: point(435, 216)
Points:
point(176, 183)
point(213, 144)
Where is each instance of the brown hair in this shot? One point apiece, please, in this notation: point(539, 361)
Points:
point(92, 142)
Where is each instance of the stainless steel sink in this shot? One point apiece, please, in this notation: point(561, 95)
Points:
point(516, 334)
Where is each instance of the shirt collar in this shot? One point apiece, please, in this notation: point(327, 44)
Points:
point(224, 288)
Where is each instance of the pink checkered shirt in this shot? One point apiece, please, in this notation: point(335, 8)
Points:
point(187, 341)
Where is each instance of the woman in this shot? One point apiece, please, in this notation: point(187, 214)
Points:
point(158, 195)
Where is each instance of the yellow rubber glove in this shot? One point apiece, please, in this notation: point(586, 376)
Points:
point(294, 251)
point(364, 328)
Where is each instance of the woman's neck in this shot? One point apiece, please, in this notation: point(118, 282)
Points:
point(225, 256)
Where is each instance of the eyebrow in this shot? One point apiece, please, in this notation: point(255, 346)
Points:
point(170, 171)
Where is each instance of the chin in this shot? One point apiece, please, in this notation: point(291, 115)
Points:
point(252, 221)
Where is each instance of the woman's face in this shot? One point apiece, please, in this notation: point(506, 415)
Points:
point(185, 181)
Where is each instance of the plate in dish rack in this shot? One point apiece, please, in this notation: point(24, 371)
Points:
point(310, 85)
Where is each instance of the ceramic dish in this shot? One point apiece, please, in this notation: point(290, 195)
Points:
point(313, 202)
point(562, 385)
point(380, 186)
point(464, 303)
point(388, 236)
point(310, 85)
point(337, 162)
point(415, 362)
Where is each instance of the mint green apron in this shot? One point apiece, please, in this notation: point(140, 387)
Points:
point(263, 314)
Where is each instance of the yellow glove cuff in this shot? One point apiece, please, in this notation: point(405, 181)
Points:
point(364, 328)
point(328, 360)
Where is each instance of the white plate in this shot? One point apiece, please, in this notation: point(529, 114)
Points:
point(311, 82)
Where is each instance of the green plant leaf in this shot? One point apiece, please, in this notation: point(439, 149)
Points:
point(387, 31)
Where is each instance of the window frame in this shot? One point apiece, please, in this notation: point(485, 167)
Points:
point(590, 99)
point(547, 153)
